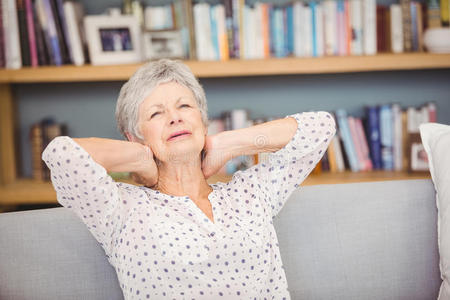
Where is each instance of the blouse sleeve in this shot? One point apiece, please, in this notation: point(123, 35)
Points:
point(83, 185)
point(285, 169)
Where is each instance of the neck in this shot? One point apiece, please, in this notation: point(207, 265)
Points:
point(183, 179)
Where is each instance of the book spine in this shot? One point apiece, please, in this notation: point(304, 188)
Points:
point(229, 26)
point(356, 142)
point(308, 32)
point(52, 31)
point(397, 138)
point(23, 33)
point(341, 28)
point(13, 57)
point(406, 25)
point(373, 130)
point(73, 16)
point(313, 6)
point(348, 27)
point(396, 28)
point(31, 34)
point(369, 27)
point(356, 25)
point(320, 30)
point(64, 32)
point(290, 29)
point(214, 36)
point(414, 32)
point(236, 28)
point(37, 147)
point(347, 140)
point(329, 11)
point(386, 132)
point(368, 166)
point(265, 30)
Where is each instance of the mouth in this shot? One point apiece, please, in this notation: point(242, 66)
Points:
point(179, 134)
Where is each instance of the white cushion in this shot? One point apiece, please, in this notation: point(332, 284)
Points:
point(436, 141)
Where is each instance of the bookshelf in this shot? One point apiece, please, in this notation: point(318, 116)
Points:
point(237, 68)
point(15, 190)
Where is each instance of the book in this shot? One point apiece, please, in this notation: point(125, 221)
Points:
point(374, 136)
point(369, 27)
point(23, 33)
point(345, 135)
point(74, 13)
point(361, 136)
point(396, 28)
point(386, 137)
point(40, 135)
point(397, 137)
point(356, 143)
point(356, 24)
point(34, 61)
point(13, 59)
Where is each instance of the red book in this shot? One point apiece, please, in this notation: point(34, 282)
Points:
point(31, 35)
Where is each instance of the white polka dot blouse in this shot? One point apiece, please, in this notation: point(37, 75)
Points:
point(165, 247)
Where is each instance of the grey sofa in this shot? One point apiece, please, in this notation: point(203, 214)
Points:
point(348, 241)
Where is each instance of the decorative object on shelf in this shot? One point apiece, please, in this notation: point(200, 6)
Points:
point(437, 40)
point(163, 44)
point(113, 39)
point(418, 157)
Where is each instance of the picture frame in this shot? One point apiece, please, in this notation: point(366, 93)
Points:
point(162, 44)
point(113, 39)
point(417, 156)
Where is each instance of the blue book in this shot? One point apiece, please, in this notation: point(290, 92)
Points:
point(386, 137)
point(279, 34)
point(314, 29)
point(214, 35)
point(290, 29)
point(415, 38)
point(344, 130)
point(373, 134)
point(52, 34)
point(272, 10)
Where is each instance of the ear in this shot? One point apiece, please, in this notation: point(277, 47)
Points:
point(130, 137)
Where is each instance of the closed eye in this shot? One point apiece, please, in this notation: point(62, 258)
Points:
point(154, 114)
point(184, 105)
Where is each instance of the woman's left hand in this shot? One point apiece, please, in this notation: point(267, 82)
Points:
point(215, 155)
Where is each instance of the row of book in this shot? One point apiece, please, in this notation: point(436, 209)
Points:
point(51, 32)
point(307, 29)
point(41, 32)
point(379, 140)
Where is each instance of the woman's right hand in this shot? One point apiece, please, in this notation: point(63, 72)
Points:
point(147, 174)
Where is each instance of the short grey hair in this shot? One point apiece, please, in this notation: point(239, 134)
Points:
point(141, 84)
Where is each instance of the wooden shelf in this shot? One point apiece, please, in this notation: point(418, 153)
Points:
point(236, 67)
point(28, 191)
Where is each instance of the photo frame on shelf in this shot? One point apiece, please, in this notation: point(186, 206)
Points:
point(417, 156)
point(162, 44)
point(113, 39)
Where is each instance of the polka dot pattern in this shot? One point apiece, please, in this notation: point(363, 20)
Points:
point(165, 247)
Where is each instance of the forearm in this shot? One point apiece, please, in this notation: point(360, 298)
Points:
point(266, 137)
point(116, 155)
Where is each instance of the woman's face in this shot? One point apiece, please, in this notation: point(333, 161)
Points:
point(171, 108)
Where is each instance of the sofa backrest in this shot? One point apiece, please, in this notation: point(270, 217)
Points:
point(349, 241)
point(368, 241)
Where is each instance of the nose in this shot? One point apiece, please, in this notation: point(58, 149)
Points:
point(175, 117)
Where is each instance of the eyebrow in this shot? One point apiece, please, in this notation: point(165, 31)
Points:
point(160, 105)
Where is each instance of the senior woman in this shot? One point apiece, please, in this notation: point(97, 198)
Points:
point(178, 237)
